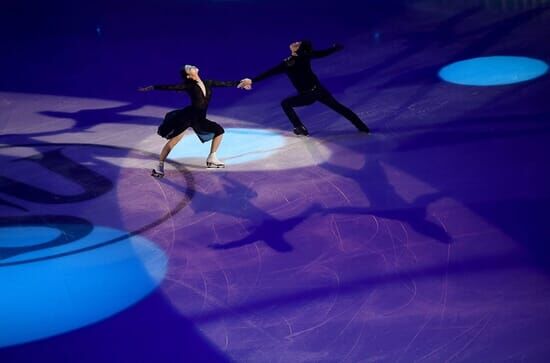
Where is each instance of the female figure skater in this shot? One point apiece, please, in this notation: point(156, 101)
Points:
point(194, 115)
point(298, 69)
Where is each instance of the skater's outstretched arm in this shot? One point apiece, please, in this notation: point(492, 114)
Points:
point(214, 83)
point(278, 69)
point(165, 87)
point(326, 52)
point(246, 83)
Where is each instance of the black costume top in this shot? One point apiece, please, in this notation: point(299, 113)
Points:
point(298, 69)
point(199, 100)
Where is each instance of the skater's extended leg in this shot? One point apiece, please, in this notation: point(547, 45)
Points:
point(288, 105)
point(216, 143)
point(212, 161)
point(327, 99)
point(159, 172)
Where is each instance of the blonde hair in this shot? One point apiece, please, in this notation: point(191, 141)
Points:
point(184, 71)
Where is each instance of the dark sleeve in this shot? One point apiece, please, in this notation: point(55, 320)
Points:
point(278, 69)
point(213, 83)
point(170, 87)
point(326, 52)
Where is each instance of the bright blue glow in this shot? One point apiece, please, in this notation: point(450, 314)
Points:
point(492, 71)
point(26, 236)
point(239, 145)
point(54, 296)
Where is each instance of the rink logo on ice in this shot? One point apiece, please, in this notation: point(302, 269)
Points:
point(66, 260)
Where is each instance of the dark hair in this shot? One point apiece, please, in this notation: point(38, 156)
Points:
point(306, 47)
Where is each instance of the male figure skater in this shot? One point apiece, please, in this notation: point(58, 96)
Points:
point(298, 69)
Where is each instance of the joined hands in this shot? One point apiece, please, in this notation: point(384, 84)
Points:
point(246, 84)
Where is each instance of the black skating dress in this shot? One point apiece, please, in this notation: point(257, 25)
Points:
point(177, 121)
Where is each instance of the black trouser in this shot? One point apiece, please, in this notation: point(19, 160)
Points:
point(322, 95)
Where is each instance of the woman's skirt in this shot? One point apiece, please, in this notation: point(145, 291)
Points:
point(177, 121)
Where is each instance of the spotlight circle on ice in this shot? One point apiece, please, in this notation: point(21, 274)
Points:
point(493, 71)
point(55, 296)
point(248, 148)
point(240, 145)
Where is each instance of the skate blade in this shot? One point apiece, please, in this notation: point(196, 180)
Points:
point(214, 166)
